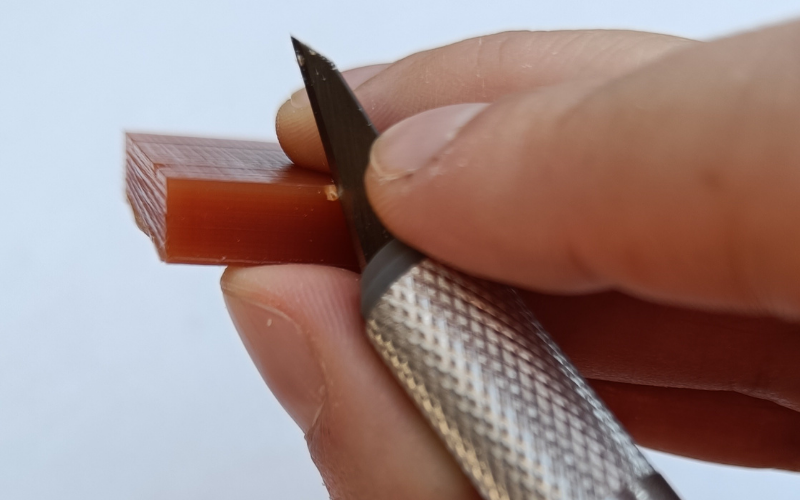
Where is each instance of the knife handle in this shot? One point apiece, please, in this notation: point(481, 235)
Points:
point(510, 407)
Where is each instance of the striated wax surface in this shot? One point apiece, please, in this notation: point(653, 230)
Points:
point(219, 201)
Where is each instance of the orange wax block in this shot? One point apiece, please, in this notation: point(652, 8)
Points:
point(215, 201)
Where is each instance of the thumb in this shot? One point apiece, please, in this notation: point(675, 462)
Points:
point(303, 330)
point(677, 182)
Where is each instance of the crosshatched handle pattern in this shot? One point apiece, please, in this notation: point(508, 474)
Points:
point(511, 408)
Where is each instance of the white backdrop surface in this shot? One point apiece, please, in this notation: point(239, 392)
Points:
point(121, 377)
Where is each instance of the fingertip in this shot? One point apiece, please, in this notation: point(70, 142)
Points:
point(298, 136)
point(364, 433)
point(291, 286)
point(297, 129)
point(283, 355)
point(281, 349)
point(236, 282)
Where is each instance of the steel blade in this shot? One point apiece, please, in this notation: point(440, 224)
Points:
point(347, 136)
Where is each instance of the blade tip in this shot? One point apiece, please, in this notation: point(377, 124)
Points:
point(300, 49)
point(304, 53)
point(297, 44)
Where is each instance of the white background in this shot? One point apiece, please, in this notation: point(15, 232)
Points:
point(121, 377)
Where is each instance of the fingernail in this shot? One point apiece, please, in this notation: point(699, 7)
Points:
point(415, 142)
point(283, 356)
point(299, 99)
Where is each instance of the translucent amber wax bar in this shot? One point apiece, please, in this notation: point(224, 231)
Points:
point(215, 201)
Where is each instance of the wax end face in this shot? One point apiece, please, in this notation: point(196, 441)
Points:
point(218, 201)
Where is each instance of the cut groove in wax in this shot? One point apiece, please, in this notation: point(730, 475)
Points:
point(218, 201)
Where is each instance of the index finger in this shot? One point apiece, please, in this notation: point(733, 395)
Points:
point(480, 69)
point(677, 183)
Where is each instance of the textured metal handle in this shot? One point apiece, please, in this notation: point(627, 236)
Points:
point(520, 420)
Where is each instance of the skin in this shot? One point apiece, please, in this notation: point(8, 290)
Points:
point(642, 190)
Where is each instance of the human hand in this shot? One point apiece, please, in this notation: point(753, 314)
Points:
point(651, 181)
